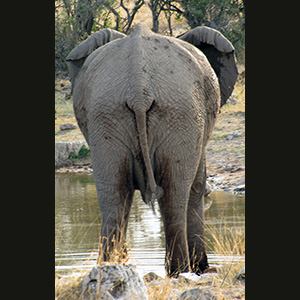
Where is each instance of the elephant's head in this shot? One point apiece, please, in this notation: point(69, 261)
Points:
point(218, 50)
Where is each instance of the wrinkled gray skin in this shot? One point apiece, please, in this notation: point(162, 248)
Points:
point(147, 105)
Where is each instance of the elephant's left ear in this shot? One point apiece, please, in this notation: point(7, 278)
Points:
point(219, 52)
point(78, 55)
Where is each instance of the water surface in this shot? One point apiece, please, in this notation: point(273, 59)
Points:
point(78, 222)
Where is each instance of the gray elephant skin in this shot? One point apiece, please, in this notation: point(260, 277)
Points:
point(146, 105)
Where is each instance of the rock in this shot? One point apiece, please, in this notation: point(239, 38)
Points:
point(207, 203)
point(197, 294)
point(67, 126)
point(241, 275)
point(63, 150)
point(181, 281)
point(68, 96)
point(241, 182)
point(151, 276)
point(238, 169)
point(240, 188)
point(204, 279)
point(218, 179)
point(207, 189)
point(234, 134)
point(232, 100)
point(117, 282)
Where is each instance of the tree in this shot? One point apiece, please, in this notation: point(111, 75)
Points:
point(75, 20)
point(168, 7)
point(130, 14)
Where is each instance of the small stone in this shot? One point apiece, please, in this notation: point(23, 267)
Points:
point(68, 96)
point(207, 189)
point(151, 276)
point(67, 126)
point(241, 275)
point(197, 294)
point(218, 179)
point(239, 188)
point(232, 100)
point(237, 133)
point(234, 134)
point(241, 182)
point(179, 282)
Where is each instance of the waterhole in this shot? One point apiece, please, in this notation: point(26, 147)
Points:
point(78, 222)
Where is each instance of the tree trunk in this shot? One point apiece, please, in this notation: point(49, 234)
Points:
point(89, 24)
point(154, 22)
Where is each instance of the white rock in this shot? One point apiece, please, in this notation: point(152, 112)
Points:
point(116, 282)
point(218, 179)
point(63, 150)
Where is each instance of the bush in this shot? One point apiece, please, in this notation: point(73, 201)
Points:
point(84, 151)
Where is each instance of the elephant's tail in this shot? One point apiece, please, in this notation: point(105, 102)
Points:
point(153, 191)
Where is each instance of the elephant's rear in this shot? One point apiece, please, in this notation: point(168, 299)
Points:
point(155, 76)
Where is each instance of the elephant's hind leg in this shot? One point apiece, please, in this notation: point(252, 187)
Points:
point(115, 192)
point(173, 207)
point(114, 221)
point(173, 178)
point(195, 221)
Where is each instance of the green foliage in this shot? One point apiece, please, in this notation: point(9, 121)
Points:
point(74, 22)
point(84, 151)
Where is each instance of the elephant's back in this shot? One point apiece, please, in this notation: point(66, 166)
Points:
point(142, 65)
point(144, 62)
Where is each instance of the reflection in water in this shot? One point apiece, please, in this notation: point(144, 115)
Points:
point(78, 221)
point(77, 214)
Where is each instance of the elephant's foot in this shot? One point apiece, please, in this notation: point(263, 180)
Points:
point(174, 270)
point(201, 266)
point(113, 247)
point(114, 252)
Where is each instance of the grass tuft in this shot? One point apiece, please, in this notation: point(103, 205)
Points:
point(228, 241)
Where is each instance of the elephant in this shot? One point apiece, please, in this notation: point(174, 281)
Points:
point(146, 105)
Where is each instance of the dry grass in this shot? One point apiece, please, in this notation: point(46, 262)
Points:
point(228, 242)
point(64, 113)
point(160, 292)
point(67, 288)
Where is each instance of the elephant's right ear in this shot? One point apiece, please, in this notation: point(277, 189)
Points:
point(78, 55)
point(219, 52)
